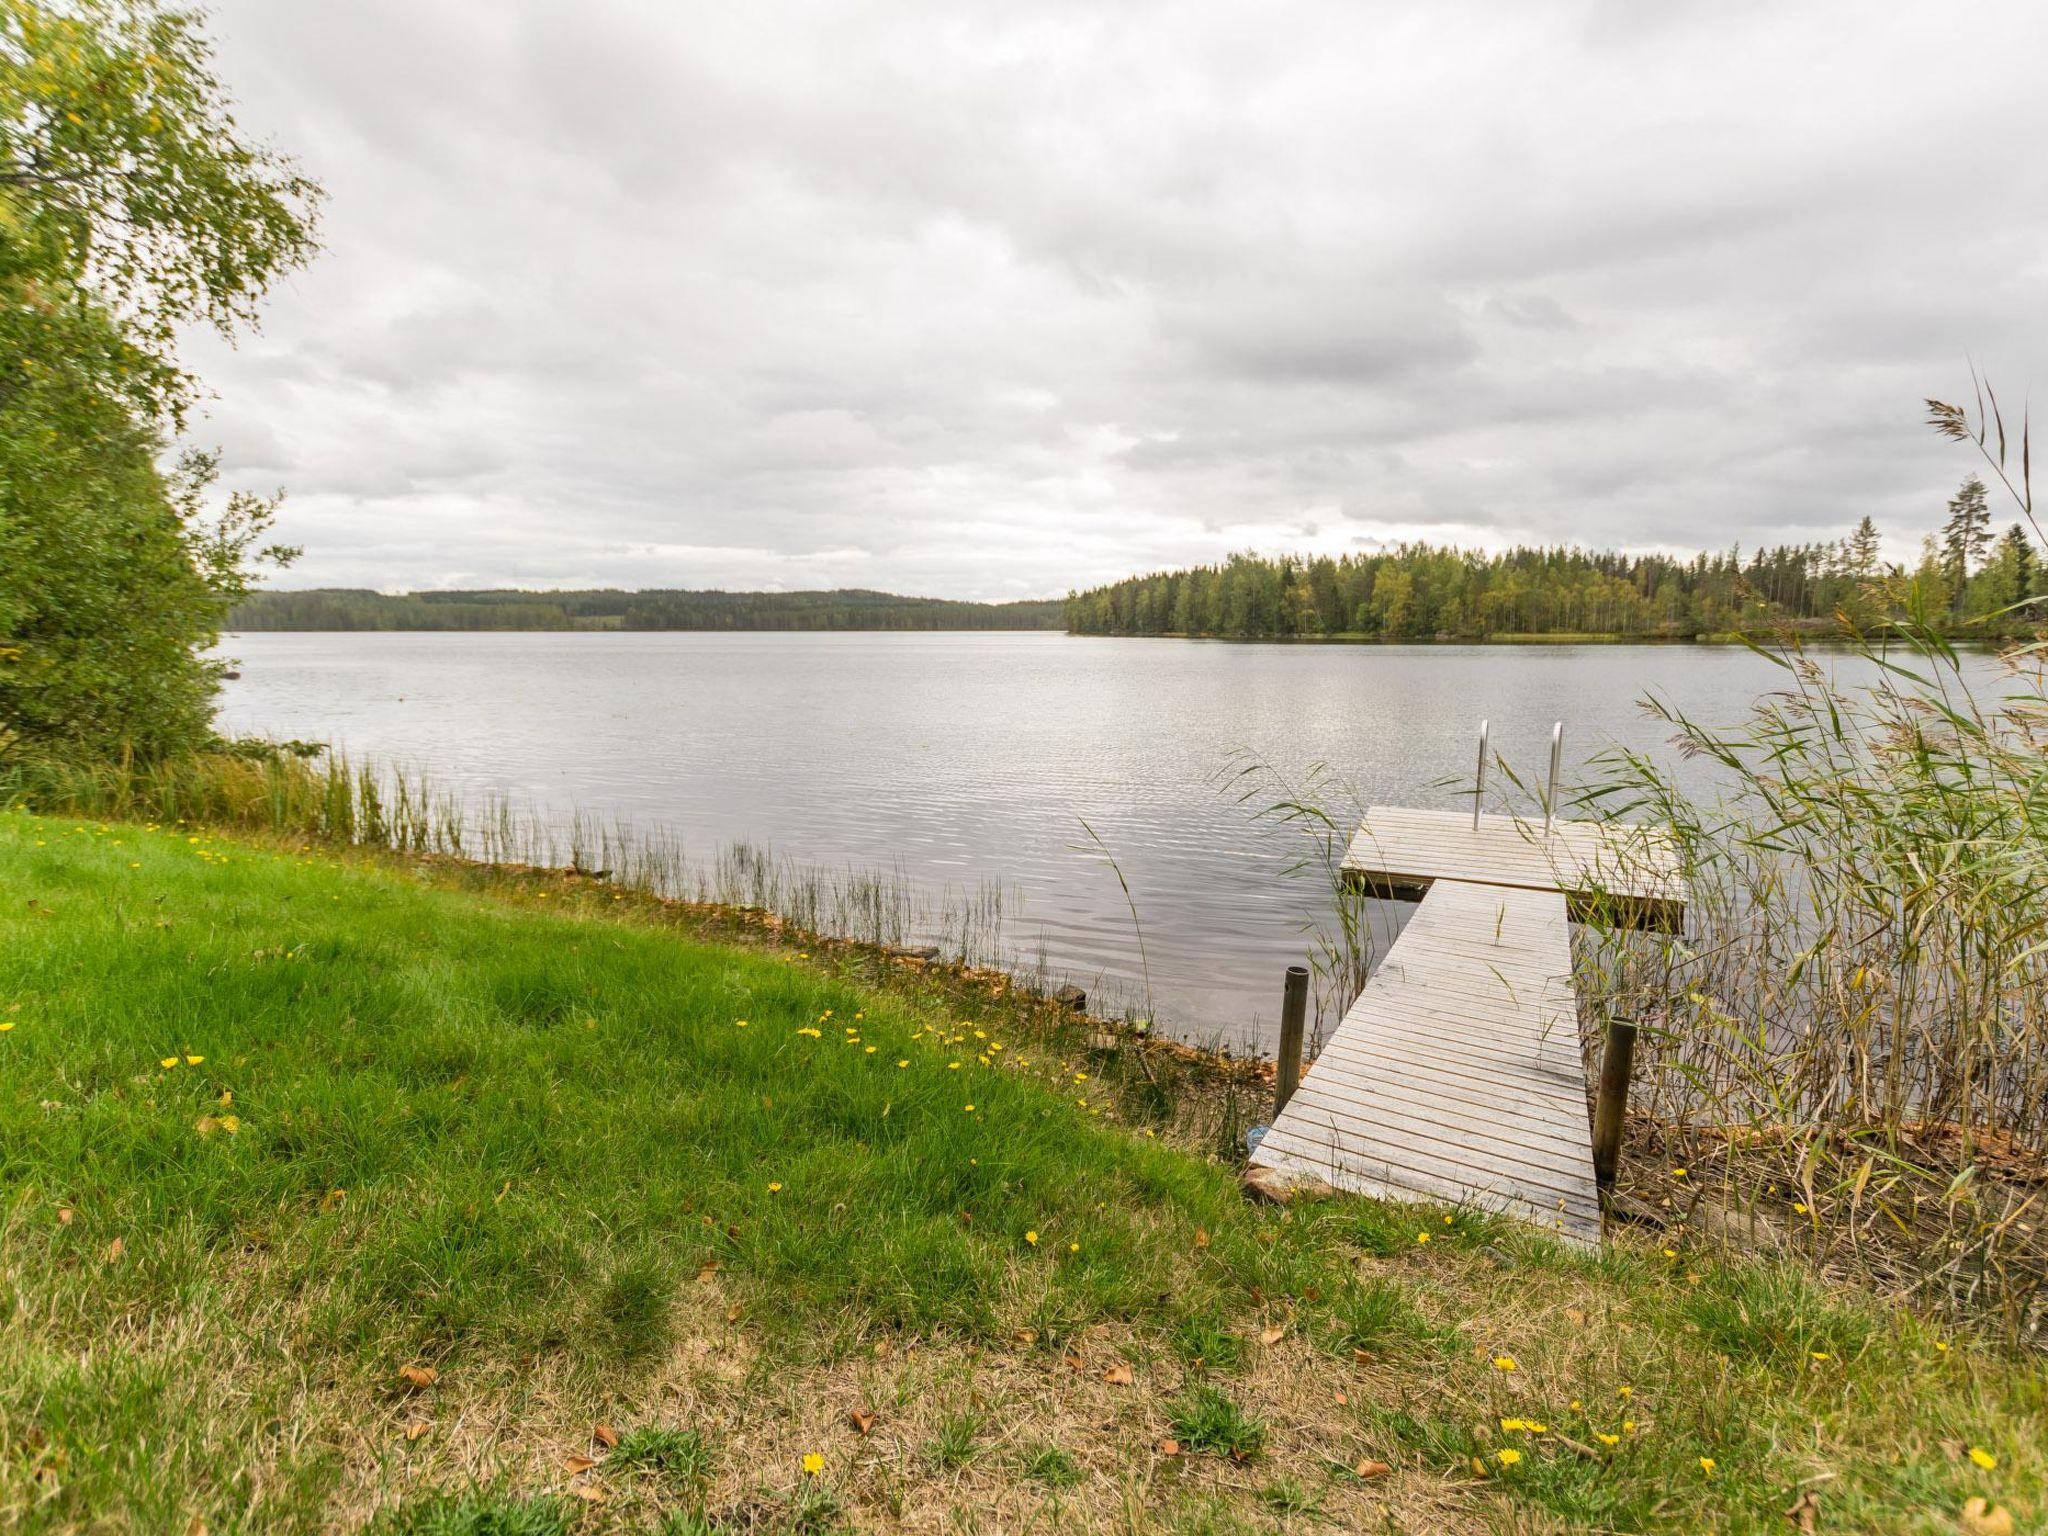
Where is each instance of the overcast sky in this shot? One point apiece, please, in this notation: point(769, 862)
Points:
point(994, 300)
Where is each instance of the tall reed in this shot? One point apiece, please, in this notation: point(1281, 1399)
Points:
point(335, 800)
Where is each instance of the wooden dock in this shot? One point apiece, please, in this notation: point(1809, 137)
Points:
point(1456, 1077)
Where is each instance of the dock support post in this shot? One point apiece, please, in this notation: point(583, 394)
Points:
point(1610, 1108)
point(1293, 1018)
point(1479, 779)
point(1550, 793)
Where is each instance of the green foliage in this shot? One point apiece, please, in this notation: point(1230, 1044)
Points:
point(340, 608)
point(1423, 591)
point(475, 1514)
point(1205, 1418)
point(1373, 1315)
point(1206, 1344)
point(129, 205)
point(683, 1455)
point(1053, 1467)
point(955, 1443)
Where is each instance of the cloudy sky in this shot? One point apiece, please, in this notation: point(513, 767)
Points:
point(994, 300)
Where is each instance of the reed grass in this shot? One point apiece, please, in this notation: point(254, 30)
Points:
point(333, 799)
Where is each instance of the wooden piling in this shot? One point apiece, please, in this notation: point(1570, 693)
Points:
point(1293, 1019)
point(1610, 1106)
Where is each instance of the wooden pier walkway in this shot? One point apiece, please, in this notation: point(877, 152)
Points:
point(1456, 1077)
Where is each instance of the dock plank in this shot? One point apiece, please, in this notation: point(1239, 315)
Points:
point(1402, 847)
point(1456, 1076)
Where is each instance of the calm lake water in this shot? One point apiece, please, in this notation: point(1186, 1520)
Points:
point(960, 759)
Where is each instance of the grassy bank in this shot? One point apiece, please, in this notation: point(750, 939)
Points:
point(341, 1194)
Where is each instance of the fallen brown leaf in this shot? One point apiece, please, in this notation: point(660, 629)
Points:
point(1169, 1447)
point(1026, 1336)
point(65, 1215)
point(605, 1436)
point(1361, 1357)
point(1119, 1375)
point(418, 1375)
point(1074, 1362)
point(706, 1270)
point(1574, 1315)
point(1981, 1517)
point(587, 1493)
point(1370, 1469)
point(1273, 1334)
point(1201, 1237)
point(735, 1312)
point(861, 1419)
point(417, 1428)
point(576, 1465)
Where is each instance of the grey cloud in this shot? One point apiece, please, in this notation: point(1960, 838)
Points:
point(994, 303)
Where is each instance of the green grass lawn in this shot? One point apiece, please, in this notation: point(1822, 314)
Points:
point(341, 1192)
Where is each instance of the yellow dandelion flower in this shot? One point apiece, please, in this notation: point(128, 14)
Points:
point(193, 1061)
point(1678, 1173)
point(1941, 1346)
point(869, 1051)
point(967, 1109)
point(952, 1066)
point(904, 1063)
point(168, 1062)
point(1422, 1237)
point(1509, 1457)
point(1799, 1206)
point(1607, 1439)
point(231, 1125)
point(1073, 1247)
point(1983, 1458)
point(814, 1464)
point(1624, 1391)
point(1707, 1465)
point(774, 1189)
point(739, 1023)
point(1031, 1238)
point(6, 1025)
point(1819, 1354)
point(1505, 1363)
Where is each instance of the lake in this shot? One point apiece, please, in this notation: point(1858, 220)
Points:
point(965, 759)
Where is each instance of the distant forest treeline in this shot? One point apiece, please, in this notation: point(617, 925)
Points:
point(1423, 591)
point(349, 608)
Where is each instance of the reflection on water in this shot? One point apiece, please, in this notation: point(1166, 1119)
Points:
point(961, 759)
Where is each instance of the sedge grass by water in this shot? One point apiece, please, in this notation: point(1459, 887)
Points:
point(346, 1191)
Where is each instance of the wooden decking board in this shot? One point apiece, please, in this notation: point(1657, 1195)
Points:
point(1341, 1146)
point(1494, 1071)
point(1388, 1181)
point(1514, 1162)
point(1456, 1075)
point(1516, 1124)
point(1404, 847)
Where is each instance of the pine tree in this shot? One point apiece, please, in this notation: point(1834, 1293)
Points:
point(1965, 537)
point(2018, 549)
point(1863, 550)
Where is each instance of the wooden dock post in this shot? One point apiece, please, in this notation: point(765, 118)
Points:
point(1293, 1019)
point(1610, 1106)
